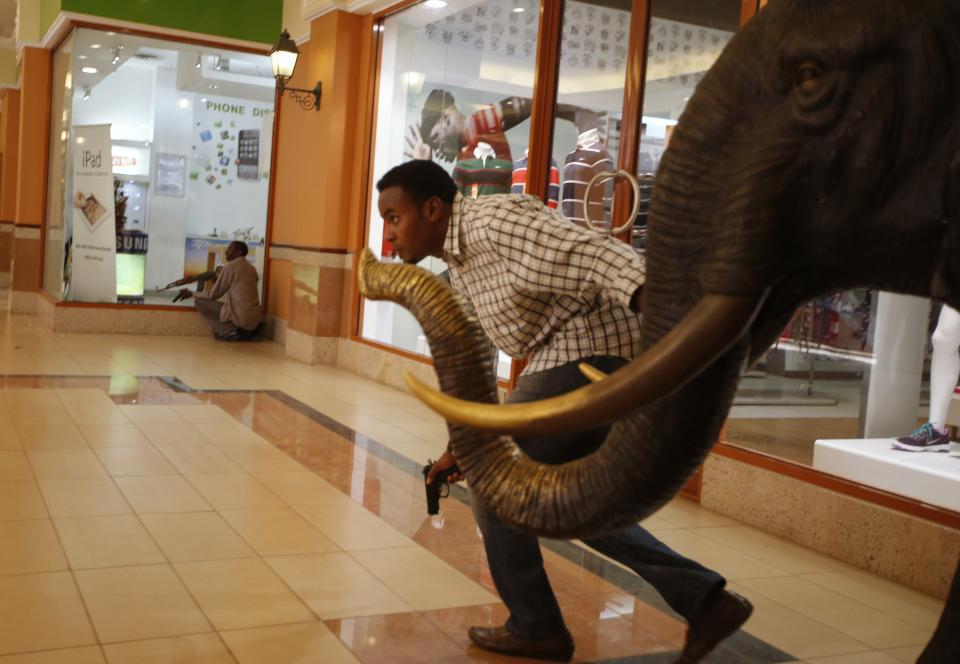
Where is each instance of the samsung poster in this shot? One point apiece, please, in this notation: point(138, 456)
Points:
point(94, 271)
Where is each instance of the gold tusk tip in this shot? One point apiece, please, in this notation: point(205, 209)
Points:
point(592, 373)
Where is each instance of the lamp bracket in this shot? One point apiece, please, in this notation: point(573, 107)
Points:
point(307, 99)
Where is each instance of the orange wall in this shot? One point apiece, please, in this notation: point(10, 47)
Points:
point(319, 157)
point(278, 301)
point(9, 141)
point(36, 70)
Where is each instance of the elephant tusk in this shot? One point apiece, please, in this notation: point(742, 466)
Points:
point(593, 374)
point(714, 324)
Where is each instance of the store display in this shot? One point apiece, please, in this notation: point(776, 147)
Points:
point(944, 372)
point(483, 175)
point(589, 158)
point(519, 180)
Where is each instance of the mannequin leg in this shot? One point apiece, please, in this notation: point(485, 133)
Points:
point(945, 365)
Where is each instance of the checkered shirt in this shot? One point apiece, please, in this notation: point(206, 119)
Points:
point(543, 287)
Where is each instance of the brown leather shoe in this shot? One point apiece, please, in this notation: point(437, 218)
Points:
point(722, 616)
point(557, 648)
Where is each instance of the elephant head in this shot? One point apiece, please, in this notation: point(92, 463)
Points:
point(821, 152)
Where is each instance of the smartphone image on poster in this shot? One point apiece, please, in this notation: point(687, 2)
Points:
point(248, 157)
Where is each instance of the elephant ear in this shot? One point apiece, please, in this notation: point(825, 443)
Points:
point(946, 278)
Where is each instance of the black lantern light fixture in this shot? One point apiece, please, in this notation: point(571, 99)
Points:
point(283, 60)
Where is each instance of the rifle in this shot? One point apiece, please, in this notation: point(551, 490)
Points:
point(199, 279)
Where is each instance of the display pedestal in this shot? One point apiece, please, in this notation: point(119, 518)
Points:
point(930, 477)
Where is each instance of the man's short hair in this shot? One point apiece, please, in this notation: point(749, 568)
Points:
point(420, 180)
point(437, 102)
point(241, 247)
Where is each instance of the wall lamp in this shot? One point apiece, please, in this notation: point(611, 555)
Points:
point(283, 60)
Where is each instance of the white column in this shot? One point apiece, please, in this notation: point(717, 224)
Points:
point(893, 398)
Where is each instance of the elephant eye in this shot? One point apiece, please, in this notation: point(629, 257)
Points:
point(808, 76)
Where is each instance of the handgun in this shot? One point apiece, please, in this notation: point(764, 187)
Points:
point(435, 490)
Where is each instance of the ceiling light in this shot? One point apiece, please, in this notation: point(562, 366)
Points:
point(183, 103)
point(435, 4)
point(203, 100)
point(89, 70)
point(94, 45)
point(198, 61)
point(86, 92)
point(111, 34)
point(81, 57)
point(213, 86)
point(81, 140)
point(518, 10)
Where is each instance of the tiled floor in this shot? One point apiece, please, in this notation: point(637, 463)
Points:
point(277, 516)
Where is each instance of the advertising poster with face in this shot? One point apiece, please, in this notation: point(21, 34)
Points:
point(94, 231)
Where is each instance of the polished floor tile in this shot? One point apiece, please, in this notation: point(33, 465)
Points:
point(141, 414)
point(173, 434)
point(161, 494)
point(195, 536)
point(241, 593)
point(135, 603)
point(42, 612)
point(421, 579)
point(28, 547)
point(65, 464)
point(334, 585)
point(306, 643)
point(352, 527)
point(90, 497)
point(14, 466)
point(134, 461)
point(396, 639)
point(85, 655)
point(20, 501)
point(302, 488)
point(107, 541)
point(200, 460)
point(192, 649)
point(859, 621)
point(233, 492)
point(9, 438)
point(113, 435)
point(275, 531)
point(52, 437)
point(274, 516)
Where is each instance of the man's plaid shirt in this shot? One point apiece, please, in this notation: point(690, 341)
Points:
point(543, 287)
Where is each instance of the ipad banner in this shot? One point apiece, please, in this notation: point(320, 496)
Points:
point(94, 262)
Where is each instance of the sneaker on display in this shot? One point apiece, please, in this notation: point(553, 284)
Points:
point(926, 438)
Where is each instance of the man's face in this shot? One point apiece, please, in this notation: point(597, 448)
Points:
point(404, 226)
point(446, 137)
point(232, 251)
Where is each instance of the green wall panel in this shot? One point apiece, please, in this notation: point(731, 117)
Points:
point(254, 20)
point(48, 14)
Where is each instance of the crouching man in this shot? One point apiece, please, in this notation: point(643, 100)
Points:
point(237, 317)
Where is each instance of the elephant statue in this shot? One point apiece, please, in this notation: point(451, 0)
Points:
point(820, 153)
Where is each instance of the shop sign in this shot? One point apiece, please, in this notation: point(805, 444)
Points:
point(93, 254)
point(129, 160)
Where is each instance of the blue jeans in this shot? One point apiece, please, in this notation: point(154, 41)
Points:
point(516, 563)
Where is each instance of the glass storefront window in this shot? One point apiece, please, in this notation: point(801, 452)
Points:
point(455, 86)
point(178, 139)
point(586, 137)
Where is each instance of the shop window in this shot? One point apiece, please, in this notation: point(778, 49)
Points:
point(455, 86)
point(591, 86)
point(159, 157)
